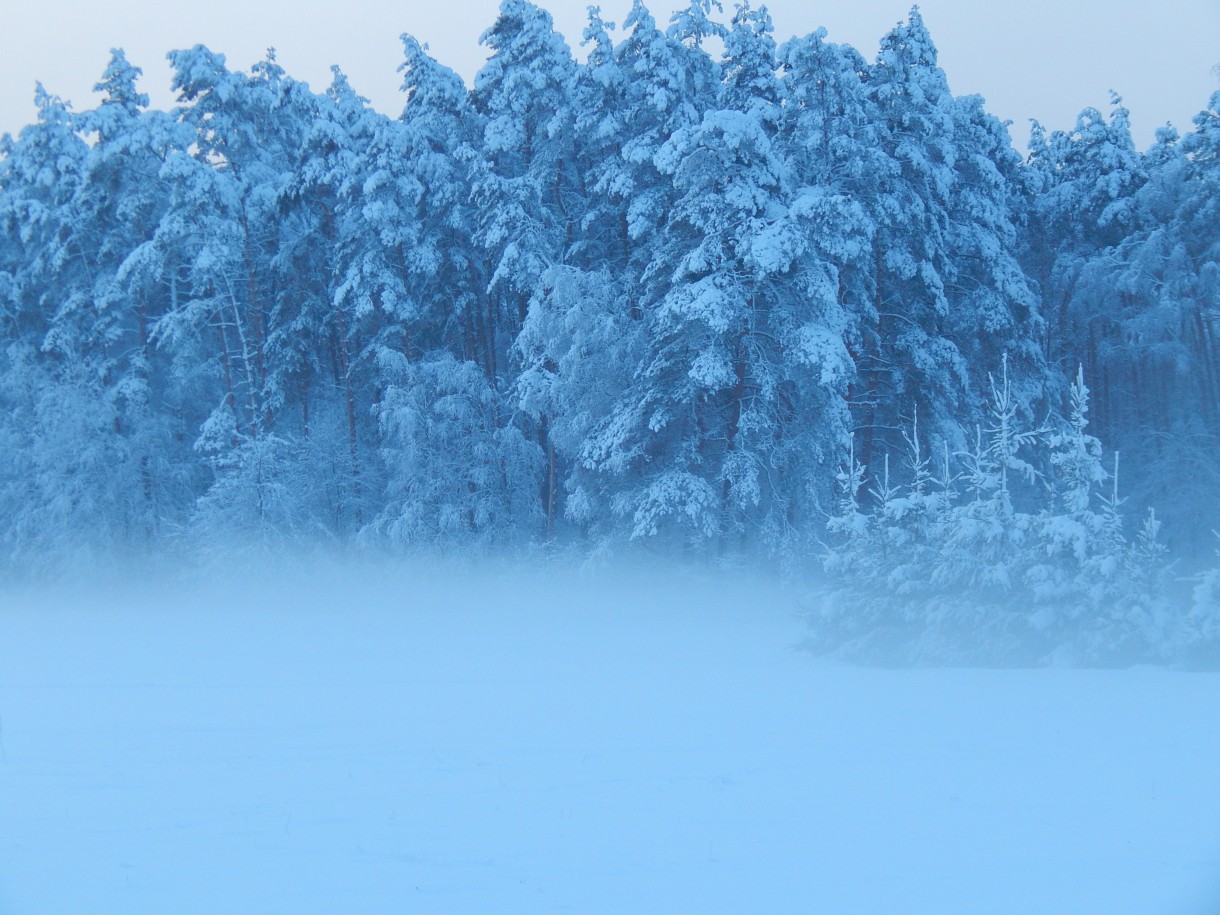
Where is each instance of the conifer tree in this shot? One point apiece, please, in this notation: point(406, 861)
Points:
point(46, 481)
point(224, 229)
point(523, 185)
point(741, 384)
point(1085, 183)
point(526, 184)
point(909, 354)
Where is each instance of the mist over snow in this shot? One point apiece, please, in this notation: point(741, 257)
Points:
point(473, 511)
point(510, 737)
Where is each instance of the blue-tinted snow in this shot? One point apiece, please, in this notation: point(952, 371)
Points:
point(442, 740)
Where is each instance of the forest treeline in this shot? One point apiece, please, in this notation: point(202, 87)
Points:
point(654, 295)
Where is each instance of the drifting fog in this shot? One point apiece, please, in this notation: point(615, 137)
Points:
point(518, 737)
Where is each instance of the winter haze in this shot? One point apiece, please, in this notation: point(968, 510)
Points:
point(697, 473)
point(1039, 59)
point(448, 739)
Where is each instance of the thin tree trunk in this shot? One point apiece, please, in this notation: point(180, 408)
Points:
point(550, 481)
point(349, 402)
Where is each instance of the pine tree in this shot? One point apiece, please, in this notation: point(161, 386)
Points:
point(322, 381)
point(40, 171)
point(1084, 184)
point(457, 475)
point(45, 484)
point(107, 328)
point(526, 185)
point(223, 229)
point(1075, 461)
point(667, 86)
point(421, 267)
point(992, 308)
point(985, 549)
point(909, 354)
point(849, 527)
point(1203, 621)
point(1160, 351)
point(523, 185)
point(741, 384)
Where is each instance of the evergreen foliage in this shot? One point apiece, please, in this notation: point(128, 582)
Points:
point(995, 560)
point(644, 297)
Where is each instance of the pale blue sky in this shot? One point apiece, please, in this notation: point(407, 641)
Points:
point(1040, 58)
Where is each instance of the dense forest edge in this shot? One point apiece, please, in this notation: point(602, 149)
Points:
point(782, 306)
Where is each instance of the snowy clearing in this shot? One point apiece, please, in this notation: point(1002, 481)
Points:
point(434, 740)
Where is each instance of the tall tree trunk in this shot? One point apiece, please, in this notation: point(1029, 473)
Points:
point(349, 403)
point(551, 478)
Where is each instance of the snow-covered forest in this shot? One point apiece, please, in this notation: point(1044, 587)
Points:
point(778, 302)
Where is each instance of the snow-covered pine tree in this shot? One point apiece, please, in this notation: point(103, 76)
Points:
point(740, 388)
point(1084, 184)
point(104, 330)
point(992, 307)
point(667, 86)
point(1202, 627)
point(576, 350)
point(524, 183)
point(414, 260)
point(600, 126)
point(222, 230)
point(908, 356)
point(1159, 342)
point(57, 440)
point(526, 187)
point(850, 546)
point(321, 386)
point(457, 474)
point(1072, 528)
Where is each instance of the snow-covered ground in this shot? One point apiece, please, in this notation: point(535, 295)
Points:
point(431, 739)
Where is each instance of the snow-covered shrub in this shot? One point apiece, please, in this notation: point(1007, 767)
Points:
point(1204, 621)
point(1015, 553)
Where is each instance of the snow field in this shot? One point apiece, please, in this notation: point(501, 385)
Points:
point(436, 739)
